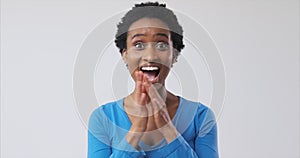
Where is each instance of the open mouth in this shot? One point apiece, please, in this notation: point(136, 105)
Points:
point(151, 71)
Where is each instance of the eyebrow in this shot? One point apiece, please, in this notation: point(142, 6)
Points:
point(157, 34)
point(137, 35)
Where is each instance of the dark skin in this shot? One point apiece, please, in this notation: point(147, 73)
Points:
point(150, 107)
point(142, 125)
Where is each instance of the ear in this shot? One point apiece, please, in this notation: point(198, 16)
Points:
point(124, 55)
point(175, 55)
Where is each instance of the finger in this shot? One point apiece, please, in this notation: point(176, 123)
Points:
point(154, 106)
point(143, 99)
point(149, 109)
point(160, 112)
point(144, 78)
point(151, 120)
point(140, 75)
point(138, 87)
point(146, 83)
point(154, 95)
point(143, 105)
point(138, 80)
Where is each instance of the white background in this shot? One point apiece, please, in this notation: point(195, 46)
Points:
point(258, 41)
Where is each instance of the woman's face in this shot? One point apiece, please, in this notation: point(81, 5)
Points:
point(149, 49)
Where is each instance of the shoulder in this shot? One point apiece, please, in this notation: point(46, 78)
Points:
point(106, 110)
point(205, 121)
point(202, 113)
point(192, 116)
point(199, 107)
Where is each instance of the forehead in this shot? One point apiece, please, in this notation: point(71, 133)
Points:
point(148, 25)
point(148, 32)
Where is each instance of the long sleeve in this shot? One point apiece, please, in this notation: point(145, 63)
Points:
point(176, 149)
point(98, 149)
point(99, 143)
point(206, 146)
point(98, 138)
point(202, 145)
point(180, 148)
point(108, 126)
point(206, 143)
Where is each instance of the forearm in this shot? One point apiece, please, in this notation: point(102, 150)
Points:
point(169, 132)
point(133, 137)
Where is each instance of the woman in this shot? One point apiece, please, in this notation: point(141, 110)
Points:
point(151, 121)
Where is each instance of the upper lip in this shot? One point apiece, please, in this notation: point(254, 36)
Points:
point(149, 65)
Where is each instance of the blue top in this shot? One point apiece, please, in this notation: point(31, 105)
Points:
point(196, 124)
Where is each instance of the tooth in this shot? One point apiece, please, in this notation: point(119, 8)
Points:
point(150, 68)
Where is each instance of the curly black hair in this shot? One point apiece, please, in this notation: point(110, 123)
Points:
point(150, 10)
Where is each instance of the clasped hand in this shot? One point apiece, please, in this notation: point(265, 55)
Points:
point(148, 111)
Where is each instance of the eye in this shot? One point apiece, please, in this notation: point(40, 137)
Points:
point(162, 46)
point(139, 45)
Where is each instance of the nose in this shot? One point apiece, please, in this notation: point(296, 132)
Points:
point(150, 54)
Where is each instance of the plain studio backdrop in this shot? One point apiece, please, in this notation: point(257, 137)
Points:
point(258, 41)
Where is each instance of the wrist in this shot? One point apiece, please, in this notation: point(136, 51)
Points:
point(169, 132)
point(133, 138)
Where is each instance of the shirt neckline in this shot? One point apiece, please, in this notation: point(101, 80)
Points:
point(174, 119)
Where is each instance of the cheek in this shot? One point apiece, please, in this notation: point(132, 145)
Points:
point(164, 73)
point(133, 61)
point(167, 59)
